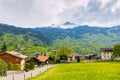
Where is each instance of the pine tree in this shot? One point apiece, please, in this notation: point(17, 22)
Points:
point(4, 48)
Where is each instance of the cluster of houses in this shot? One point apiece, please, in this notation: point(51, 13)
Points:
point(105, 54)
point(17, 58)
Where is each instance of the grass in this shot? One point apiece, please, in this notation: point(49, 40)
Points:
point(82, 71)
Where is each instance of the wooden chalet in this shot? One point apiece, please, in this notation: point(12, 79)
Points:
point(14, 58)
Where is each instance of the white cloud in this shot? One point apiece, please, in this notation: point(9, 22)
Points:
point(96, 12)
point(32, 13)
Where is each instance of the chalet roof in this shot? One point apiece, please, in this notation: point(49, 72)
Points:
point(76, 54)
point(16, 54)
point(43, 58)
point(87, 55)
point(106, 49)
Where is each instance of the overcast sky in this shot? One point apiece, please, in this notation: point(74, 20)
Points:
point(34, 13)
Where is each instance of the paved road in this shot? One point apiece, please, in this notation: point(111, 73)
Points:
point(25, 75)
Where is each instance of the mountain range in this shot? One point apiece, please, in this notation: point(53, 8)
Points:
point(83, 39)
point(20, 37)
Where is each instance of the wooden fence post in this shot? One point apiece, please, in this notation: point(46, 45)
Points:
point(31, 74)
point(24, 76)
point(13, 77)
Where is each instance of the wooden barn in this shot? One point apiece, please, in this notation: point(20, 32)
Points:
point(14, 58)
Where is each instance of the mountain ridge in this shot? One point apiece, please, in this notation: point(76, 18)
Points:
point(25, 37)
point(85, 39)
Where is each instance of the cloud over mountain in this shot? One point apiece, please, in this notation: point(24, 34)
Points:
point(32, 13)
point(94, 13)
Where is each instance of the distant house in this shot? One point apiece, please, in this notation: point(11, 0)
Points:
point(75, 56)
point(106, 53)
point(14, 58)
point(91, 57)
point(88, 56)
point(43, 59)
point(34, 60)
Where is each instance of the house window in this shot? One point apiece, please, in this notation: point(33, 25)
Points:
point(16, 60)
point(104, 56)
point(6, 60)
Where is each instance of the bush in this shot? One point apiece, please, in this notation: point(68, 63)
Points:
point(51, 62)
point(10, 66)
point(3, 68)
point(29, 66)
point(57, 60)
point(26, 67)
point(16, 67)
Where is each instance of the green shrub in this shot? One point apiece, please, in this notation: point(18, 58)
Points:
point(42, 64)
point(10, 66)
point(3, 68)
point(16, 67)
point(51, 62)
point(29, 66)
point(57, 60)
point(26, 69)
point(26, 65)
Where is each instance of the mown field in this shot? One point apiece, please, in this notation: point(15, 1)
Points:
point(82, 71)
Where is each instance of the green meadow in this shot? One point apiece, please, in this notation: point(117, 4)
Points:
point(82, 71)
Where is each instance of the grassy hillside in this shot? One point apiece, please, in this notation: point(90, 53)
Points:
point(25, 33)
point(89, 43)
point(82, 71)
point(83, 39)
point(14, 41)
point(24, 40)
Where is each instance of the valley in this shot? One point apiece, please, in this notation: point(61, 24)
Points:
point(83, 39)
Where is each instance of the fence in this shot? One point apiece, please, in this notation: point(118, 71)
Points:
point(3, 72)
point(25, 75)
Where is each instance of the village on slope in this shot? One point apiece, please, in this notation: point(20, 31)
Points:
point(12, 60)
